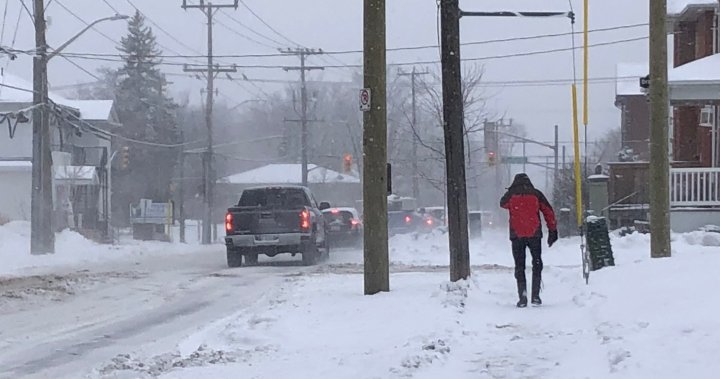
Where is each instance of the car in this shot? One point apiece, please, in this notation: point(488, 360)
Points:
point(344, 226)
point(274, 220)
point(404, 222)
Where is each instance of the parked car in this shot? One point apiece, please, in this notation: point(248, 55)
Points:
point(276, 220)
point(404, 222)
point(344, 226)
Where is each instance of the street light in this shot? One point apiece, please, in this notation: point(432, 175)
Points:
point(42, 235)
point(62, 47)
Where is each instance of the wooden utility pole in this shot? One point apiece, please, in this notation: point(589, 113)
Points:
point(415, 180)
point(210, 72)
point(659, 155)
point(453, 119)
point(377, 271)
point(303, 53)
point(42, 234)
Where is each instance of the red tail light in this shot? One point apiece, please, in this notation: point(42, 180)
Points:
point(305, 219)
point(228, 222)
point(429, 221)
point(408, 219)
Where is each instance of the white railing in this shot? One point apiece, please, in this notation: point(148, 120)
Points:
point(693, 187)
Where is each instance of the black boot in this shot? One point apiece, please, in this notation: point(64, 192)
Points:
point(535, 299)
point(522, 303)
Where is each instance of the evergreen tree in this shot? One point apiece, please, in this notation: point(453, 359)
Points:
point(146, 113)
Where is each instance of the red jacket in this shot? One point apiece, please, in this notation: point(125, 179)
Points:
point(525, 204)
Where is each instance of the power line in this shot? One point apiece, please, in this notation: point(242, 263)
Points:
point(85, 22)
point(156, 25)
point(111, 7)
point(395, 49)
point(2, 33)
point(267, 25)
point(27, 10)
point(428, 62)
point(235, 20)
point(244, 35)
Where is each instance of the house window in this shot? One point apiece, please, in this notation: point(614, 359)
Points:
point(707, 116)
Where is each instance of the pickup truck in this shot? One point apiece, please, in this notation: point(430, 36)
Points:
point(275, 220)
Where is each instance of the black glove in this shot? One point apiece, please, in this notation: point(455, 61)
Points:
point(552, 237)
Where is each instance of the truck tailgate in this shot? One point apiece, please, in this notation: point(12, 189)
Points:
point(253, 220)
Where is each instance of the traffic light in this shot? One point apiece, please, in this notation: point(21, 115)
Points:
point(125, 157)
point(347, 163)
point(491, 158)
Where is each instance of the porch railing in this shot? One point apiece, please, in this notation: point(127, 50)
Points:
point(695, 187)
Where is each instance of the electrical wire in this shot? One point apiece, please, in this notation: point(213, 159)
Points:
point(118, 58)
point(395, 49)
point(2, 33)
point(111, 7)
point(28, 11)
point(85, 22)
point(164, 31)
point(239, 23)
point(268, 25)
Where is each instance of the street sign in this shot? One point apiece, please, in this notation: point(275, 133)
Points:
point(365, 99)
point(514, 160)
point(645, 82)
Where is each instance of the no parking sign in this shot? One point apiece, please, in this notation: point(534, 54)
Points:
point(365, 99)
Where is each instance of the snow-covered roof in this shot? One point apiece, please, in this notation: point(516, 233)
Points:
point(288, 174)
point(95, 110)
point(702, 70)
point(15, 165)
point(629, 74)
point(676, 7)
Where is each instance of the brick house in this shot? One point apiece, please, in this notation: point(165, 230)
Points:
point(694, 91)
point(634, 109)
point(693, 24)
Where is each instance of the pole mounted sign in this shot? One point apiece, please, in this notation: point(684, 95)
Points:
point(365, 99)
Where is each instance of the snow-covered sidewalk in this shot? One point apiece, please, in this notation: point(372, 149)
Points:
point(73, 251)
point(641, 319)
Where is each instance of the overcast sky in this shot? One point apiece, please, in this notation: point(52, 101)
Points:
point(337, 25)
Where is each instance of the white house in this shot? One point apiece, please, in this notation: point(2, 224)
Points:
point(81, 158)
point(327, 185)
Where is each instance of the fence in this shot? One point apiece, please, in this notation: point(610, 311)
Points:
point(695, 187)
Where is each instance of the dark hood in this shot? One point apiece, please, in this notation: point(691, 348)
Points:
point(521, 180)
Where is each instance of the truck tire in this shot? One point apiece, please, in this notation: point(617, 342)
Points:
point(234, 258)
point(310, 255)
point(251, 259)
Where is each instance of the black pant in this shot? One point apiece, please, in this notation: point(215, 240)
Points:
point(518, 248)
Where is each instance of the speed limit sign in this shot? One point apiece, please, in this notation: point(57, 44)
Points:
point(365, 99)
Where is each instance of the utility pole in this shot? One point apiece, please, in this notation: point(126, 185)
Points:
point(303, 53)
point(416, 180)
point(453, 119)
point(210, 73)
point(659, 110)
point(42, 211)
point(375, 170)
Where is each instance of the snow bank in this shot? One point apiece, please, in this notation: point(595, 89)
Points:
point(71, 249)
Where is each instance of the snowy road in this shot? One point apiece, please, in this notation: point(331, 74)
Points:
point(64, 324)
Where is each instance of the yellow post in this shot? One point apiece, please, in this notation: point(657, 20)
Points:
point(585, 63)
point(576, 148)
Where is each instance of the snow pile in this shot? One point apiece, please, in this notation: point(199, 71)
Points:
point(71, 249)
point(644, 318)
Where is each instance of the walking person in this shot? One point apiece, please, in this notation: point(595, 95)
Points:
point(525, 203)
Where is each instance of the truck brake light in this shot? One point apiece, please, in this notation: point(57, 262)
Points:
point(305, 219)
point(228, 222)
